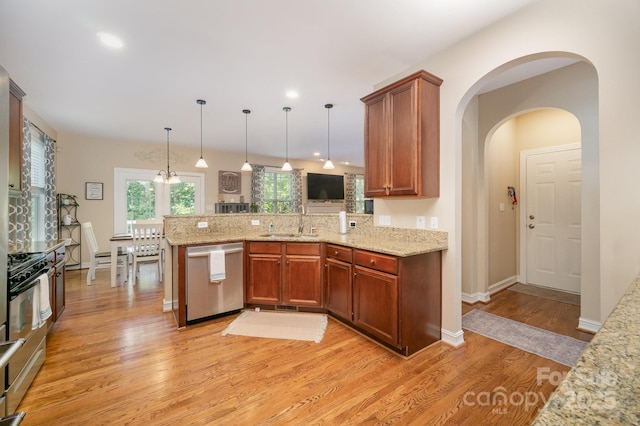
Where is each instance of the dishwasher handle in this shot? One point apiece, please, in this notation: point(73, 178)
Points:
point(206, 253)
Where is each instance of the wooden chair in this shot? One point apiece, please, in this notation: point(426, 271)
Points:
point(147, 245)
point(100, 259)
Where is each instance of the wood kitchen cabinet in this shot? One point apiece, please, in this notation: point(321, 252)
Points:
point(339, 272)
point(402, 138)
point(15, 136)
point(284, 273)
point(264, 273)
point(395, 300)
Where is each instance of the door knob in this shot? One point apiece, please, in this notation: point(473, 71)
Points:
point(531, 226)
point(531, 217)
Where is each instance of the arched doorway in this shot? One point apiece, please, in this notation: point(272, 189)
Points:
point(573, 89)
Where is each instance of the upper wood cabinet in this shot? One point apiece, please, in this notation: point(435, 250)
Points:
point(402, 138)
point(15, 137)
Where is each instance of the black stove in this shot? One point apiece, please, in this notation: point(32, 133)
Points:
point(22, 266)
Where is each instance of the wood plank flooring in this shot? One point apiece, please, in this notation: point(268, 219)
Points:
point(115, 358)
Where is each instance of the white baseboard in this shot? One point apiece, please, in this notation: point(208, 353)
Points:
point(453, 339)
point(475, 298)
point(501, 285)
point(166, 305)
point(589, 325)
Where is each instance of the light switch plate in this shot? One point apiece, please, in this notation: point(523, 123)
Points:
point(420, 222)
point(384, 220)
point(501, 207)
point(203, 224)
point(255, 222)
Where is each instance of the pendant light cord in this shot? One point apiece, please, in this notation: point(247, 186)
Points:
point(168, 129)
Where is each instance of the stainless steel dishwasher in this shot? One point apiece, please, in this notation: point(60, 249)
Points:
point(208, 295)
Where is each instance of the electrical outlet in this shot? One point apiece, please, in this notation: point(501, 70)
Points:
point(434, 222)
point(352, 224)
point(501, 207)
point(421, 222)
point(255, 222)
point(384, 220)
point(203, 224)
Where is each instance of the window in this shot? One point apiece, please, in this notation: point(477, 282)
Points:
point(38, 184)
point(138, 197)
point(360, 194)
point(277, 191)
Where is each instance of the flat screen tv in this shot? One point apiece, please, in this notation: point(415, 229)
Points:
point(325, 187)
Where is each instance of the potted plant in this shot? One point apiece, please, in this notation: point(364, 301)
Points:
point(70, 200)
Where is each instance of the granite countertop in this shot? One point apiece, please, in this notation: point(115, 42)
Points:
point(395, 247)
point(35, 246)
point(604, 385)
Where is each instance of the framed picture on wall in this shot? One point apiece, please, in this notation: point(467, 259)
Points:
point(93, 191)
point(229, 182)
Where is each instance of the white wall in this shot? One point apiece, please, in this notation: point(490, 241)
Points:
point(604, 34)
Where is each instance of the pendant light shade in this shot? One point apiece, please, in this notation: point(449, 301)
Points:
point(167, 176)
point(328, 164)
point(201, 163)
point(246, 167)
point(286, 166)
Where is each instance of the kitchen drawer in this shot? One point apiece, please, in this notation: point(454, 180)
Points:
point(264, 248)
point(338, 252)
point(376, 261)
point(304, 248)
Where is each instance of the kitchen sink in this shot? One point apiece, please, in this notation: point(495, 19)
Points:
point(290, 235)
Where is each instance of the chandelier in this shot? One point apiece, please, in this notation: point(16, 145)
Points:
point(167, 176)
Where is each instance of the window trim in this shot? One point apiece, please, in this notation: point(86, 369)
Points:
point(120, 177)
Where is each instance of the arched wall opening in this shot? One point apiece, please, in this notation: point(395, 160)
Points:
point(573, 89)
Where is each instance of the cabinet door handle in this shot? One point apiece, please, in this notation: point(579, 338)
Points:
point(278, 262)
point(355, 274)
point(287, 262)
point(335, 253)
point(11, 185)
point(372, 261)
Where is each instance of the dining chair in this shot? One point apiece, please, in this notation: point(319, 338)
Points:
point(101, 259)
point(147, 245)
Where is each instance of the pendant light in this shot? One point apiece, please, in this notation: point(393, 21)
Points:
point(328, 164)
point(286, 166)
point(201, 163)
point(167, 176)
point(246, 167)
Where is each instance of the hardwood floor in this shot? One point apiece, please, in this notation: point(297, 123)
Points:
point(115, 358)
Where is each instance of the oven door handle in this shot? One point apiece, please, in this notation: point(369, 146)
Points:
point(8, 349)
point(31, 282)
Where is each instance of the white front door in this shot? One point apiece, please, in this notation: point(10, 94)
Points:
point(553, 224)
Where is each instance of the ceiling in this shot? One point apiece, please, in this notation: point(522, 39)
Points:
point(235, 55)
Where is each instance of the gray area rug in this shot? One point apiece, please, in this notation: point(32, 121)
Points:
point(547, 293)
point(556, 347)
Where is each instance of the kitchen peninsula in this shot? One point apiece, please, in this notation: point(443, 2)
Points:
point(383, 282)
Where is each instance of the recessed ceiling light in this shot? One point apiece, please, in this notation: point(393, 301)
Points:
point(292, 94)
point(316, 154)
point(110, 40)
point(346, 163)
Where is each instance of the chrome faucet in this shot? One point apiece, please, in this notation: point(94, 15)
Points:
point(300, 222)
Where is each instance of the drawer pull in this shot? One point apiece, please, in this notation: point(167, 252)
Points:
point(335, 253)
point(372, 261)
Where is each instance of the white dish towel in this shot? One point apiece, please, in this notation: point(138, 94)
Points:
point(41, 304)
point(217, 270)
